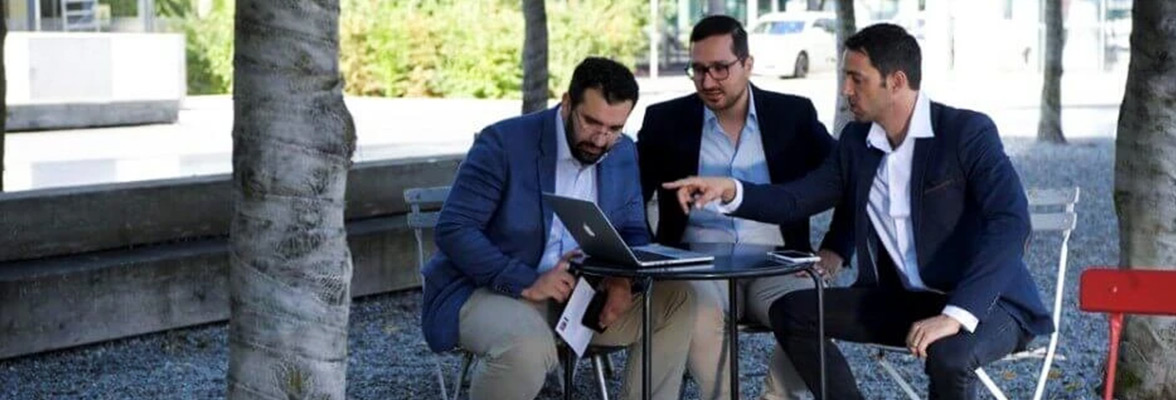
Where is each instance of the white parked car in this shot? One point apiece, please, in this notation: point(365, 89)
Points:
point(794, 43)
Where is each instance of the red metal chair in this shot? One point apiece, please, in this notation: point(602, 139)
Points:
point(1125, 291)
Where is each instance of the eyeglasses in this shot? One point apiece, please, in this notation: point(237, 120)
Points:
point(593, 126)
point(718, 71)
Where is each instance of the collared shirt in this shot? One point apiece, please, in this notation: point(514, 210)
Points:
point(742, 159)
point(889, 206)
point(572, 179)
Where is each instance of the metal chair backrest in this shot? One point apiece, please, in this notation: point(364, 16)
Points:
point(1129, 291)
point(419, 200)
point(1052, 210)
point(1049, 201)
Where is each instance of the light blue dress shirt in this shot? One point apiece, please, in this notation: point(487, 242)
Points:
point(743, 159)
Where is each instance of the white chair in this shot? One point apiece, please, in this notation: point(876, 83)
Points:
point(1051, 210)
point(418, 199)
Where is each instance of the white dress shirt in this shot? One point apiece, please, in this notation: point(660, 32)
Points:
point(572, 179)
point(889, 206)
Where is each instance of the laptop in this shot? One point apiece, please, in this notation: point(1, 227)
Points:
point(598, 239)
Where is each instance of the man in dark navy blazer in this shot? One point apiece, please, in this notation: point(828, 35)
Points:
point(732, 128)
point(501, 268)
point(940, 220)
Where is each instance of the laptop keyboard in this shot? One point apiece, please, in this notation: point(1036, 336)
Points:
point(646, 256)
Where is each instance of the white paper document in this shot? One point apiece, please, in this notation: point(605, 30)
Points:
point(569, 326)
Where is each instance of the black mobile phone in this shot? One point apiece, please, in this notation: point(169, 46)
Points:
point(592, 313)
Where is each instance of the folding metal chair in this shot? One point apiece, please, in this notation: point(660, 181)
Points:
point(419, 219)
point(1055, 213)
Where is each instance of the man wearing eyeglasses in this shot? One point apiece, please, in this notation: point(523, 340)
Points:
point(731, 128)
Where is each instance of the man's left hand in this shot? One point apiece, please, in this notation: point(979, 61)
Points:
point(927, 331)
point(620, 299)
point(829, 265)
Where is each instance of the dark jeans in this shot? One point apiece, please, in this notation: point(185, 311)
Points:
point(884, 316)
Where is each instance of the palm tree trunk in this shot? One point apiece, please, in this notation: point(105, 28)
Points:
point(1144, 193)
point(290, 267)
point(1049, 127)
point(846, 27)
point(3, 89)
point(534, 56)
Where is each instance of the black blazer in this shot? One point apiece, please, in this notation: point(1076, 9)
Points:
point(968, 208)
point(794, 143)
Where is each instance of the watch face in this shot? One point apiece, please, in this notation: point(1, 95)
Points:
point(589, 231)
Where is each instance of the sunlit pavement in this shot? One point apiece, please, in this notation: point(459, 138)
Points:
point(200, 143)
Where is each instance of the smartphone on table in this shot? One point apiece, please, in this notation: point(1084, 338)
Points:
point(794, 256)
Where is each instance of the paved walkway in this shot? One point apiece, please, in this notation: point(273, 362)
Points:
point(200, 143)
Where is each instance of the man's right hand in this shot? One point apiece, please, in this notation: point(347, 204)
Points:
point(698, 191)
point(555, 284)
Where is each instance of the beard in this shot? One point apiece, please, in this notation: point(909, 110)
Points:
point(726, 102)
point(582, 151)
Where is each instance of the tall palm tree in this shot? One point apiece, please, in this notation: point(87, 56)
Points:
point(1049, 127)
point(534, 56)
point(1144, 193)
point(290, 268)
point(846, 27)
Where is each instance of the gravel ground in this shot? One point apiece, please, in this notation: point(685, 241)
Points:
point(390, 361)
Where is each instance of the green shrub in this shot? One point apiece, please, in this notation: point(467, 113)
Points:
point(440, 48)
point(209, 49)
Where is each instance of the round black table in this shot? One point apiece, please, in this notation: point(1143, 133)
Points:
point(732, 262)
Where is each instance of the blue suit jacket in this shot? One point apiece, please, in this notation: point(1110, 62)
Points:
point(493, 226)
point(968, 208)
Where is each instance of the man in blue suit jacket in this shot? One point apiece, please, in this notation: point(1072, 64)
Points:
point(494, 286)
point(940, 220)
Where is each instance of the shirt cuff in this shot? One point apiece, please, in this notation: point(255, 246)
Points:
point(734, 204)
point(964, 317)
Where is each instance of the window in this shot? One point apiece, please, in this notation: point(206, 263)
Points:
point(786, 27)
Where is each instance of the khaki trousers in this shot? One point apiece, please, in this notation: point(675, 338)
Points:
point(708, 362)
point(515, 344)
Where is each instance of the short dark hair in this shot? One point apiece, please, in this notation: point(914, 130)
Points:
point(716, 25)
point(890, 48)
point(615, 82)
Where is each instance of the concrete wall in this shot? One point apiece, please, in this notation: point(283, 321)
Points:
point(42, 223)
point(105, 262)
point(114, 74)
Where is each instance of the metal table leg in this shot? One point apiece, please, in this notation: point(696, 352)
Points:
point(733, 335)
point(569, 370)
point(646, 341)
point(820, 286)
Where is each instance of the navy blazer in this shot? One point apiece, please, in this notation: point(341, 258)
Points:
point(493, 227)
point(794, 143)
point(968, 208)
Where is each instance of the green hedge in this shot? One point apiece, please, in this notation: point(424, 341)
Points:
point(209, 49)
point(439, 48)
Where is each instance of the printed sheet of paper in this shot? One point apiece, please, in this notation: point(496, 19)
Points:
point(569, 327)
